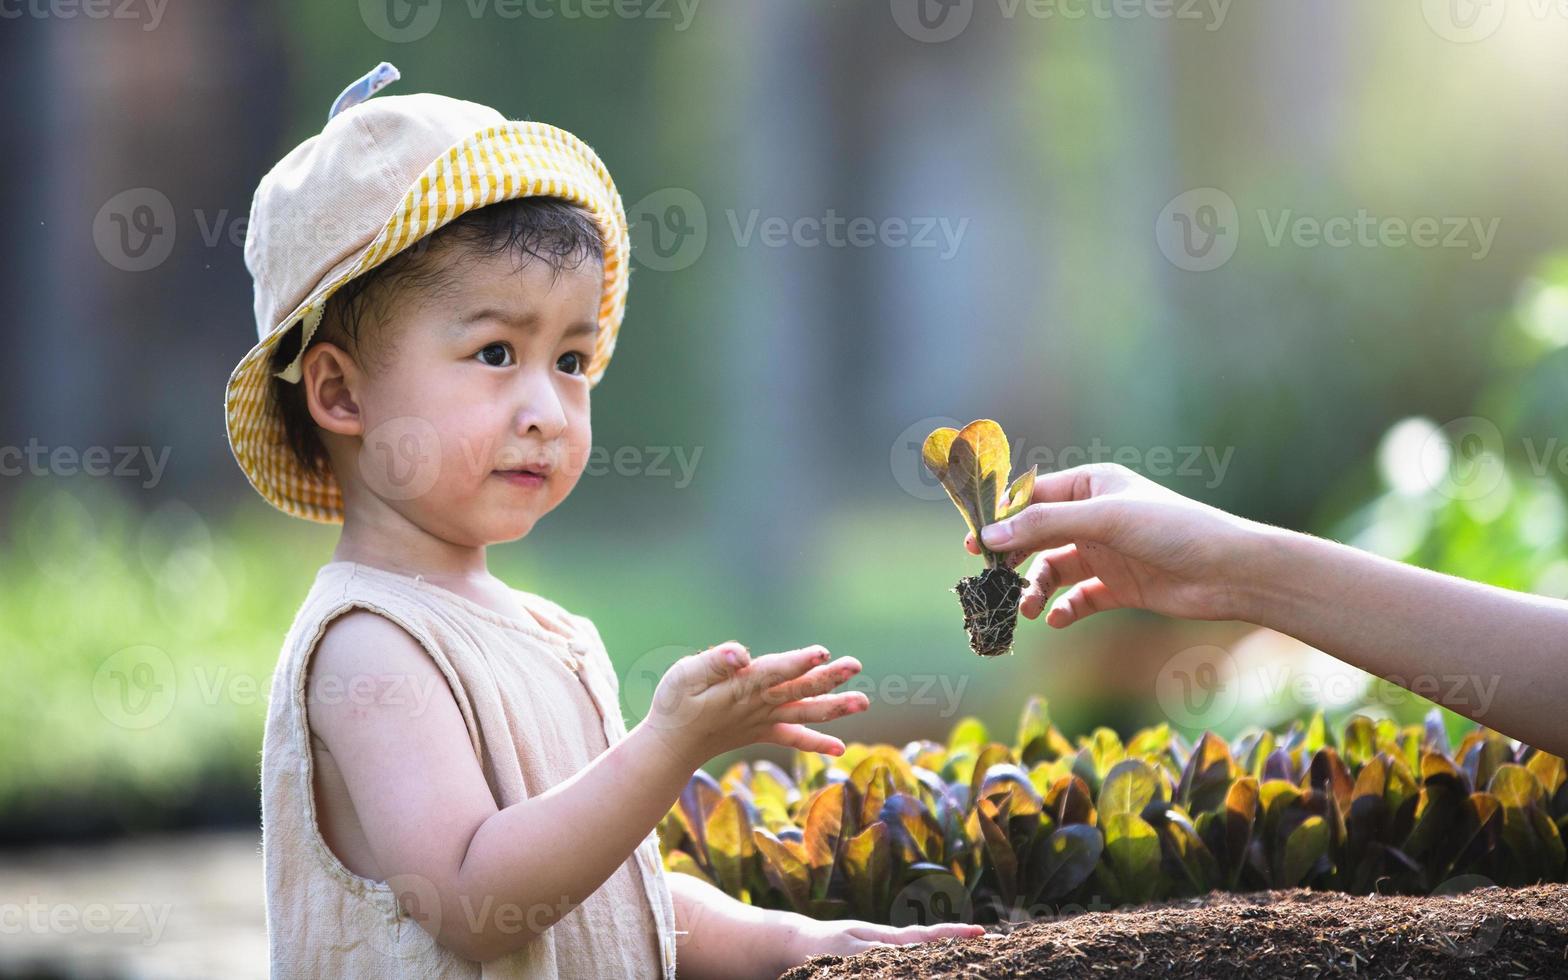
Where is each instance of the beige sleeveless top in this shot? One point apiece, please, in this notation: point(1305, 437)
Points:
point(540, 700)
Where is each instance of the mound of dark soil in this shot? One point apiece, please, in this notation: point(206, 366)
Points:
point(1489, 932)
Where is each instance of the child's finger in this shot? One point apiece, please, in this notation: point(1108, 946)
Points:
point(718, 663)
point(823, 708)
point(802, 738)
point(903, 935)
point(953, 930)
point(818, 680)
point(775, 668)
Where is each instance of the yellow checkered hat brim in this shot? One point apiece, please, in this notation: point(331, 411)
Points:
point(498, 163)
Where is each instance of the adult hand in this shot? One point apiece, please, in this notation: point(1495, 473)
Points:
point(1114, 539)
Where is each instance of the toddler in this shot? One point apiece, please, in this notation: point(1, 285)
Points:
point(448, 786)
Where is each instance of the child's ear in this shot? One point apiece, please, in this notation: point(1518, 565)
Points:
point(332, 380)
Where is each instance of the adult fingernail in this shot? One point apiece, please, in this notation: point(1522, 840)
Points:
point(997, 535)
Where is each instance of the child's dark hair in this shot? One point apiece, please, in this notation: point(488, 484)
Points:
point(548, 229)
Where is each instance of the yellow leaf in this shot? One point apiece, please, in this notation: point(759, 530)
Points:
point(972, 464)
point(990, 444)
point(934, 452)
point(1019, 495)
point(964, 481)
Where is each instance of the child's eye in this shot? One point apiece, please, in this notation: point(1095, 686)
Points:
point(490, 352)
point(573, 363)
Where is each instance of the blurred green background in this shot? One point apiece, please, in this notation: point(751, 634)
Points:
point(1142, 234)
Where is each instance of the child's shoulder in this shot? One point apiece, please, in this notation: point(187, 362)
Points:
point(347, 597)
point(343, 600)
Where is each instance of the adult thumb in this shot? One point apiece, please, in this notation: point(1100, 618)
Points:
point(1050, 525)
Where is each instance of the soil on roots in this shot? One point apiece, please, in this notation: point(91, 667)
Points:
point(990, 602)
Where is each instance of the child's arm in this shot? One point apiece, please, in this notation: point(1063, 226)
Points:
point(1115, 539)
point(730, 940)
point(485, 881)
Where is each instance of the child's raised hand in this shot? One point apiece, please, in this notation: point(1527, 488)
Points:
point(722, 699)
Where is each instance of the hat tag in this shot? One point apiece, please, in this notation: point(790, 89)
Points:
point(373, 81)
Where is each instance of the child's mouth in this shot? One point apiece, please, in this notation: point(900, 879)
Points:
point(522, 478)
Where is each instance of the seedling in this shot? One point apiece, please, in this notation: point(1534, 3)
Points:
point(972, 464)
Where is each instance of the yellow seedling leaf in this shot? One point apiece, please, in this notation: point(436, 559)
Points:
point(990, 445)
point(972, 464)
point(966, 482)
point(934, 452)
point(1018, 495)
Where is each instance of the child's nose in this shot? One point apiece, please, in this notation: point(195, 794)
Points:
point(540, 409)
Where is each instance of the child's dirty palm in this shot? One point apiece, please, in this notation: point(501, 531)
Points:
point(722, 699)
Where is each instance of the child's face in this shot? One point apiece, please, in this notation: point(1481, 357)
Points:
point(486, 377)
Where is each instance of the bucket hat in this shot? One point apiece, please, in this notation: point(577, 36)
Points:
point(382, 174)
